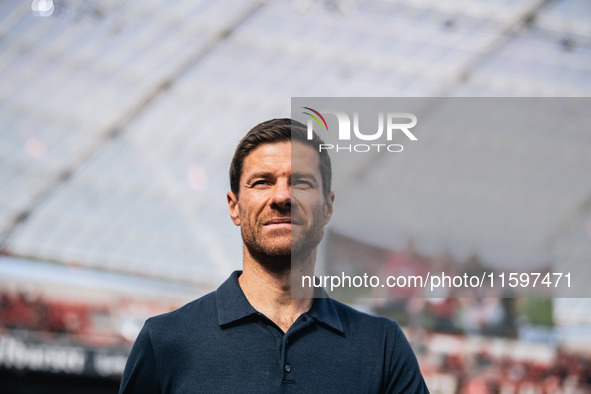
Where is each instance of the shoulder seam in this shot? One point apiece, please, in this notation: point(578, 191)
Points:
point(155, 359)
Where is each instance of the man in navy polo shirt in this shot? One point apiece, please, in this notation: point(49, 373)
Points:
point(252, 335)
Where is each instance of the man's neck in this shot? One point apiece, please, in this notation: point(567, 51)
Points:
point(270, 293)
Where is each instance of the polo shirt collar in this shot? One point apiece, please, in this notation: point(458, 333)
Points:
point(232, 305)
point(324, 311)
point(231, 302)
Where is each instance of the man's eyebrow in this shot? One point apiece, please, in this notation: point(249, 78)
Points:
point(304, 175)
point(259, 174)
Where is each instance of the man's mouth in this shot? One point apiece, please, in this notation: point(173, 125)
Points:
point(278, 221)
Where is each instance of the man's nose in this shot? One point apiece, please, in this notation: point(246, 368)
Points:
point(281, 195)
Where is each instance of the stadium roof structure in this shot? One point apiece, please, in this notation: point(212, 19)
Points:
point(118, 119)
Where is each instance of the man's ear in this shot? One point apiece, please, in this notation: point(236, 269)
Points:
point(233, 208)
point(329, 200)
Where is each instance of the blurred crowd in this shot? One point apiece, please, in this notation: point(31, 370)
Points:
point(25, 311)
point(90, 323)
point(86, 323)
point(459, 372)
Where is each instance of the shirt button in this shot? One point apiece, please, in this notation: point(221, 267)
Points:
point(287, 367)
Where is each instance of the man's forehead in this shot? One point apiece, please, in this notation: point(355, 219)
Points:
point(286, 149)
point(302, 157)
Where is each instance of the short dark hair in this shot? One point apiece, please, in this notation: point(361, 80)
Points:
point(275, 131)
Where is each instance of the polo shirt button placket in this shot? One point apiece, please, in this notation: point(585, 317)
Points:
point(287, 368)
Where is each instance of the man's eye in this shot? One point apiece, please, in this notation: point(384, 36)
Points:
point(302, 183)
point(260, 183)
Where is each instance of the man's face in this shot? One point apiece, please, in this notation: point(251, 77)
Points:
point(281, 212)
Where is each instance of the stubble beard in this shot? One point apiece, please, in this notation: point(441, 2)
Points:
point(278, 254)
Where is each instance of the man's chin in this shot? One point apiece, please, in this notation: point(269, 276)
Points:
point(279, 252)
point(271, 252)
point(278, 261)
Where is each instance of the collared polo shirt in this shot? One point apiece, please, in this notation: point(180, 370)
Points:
point(220, 344)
